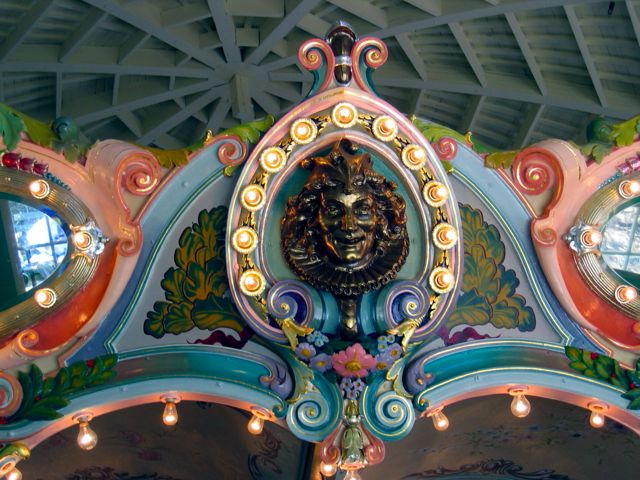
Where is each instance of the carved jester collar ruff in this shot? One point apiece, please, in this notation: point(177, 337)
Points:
point(345, 232)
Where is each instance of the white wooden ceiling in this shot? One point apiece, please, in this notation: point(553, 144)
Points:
point(160, 72)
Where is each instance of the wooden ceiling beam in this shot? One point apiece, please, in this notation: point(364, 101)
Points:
point(412, 54)
point(469, 52)
point(528, 55)
point(81, 33)
point(528, 127)
point(174, 119)
point(24, 26)
point(365, 10)
point(144, 21)
point(226, 30)
point(586, 55)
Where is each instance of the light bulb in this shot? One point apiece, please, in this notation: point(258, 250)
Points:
point(596, 419)
point(87, 438)
point(328, 469)
point(170, 414)
point(440, 420)
point(520, 406)
point(255, 425)
point(14, 474)
point(352, 475)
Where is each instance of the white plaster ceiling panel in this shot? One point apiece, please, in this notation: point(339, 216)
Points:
point(162, 72)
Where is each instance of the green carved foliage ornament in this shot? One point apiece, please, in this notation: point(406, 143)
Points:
point(43, 397)
point(196, 290)
point(607, 370)
point(488, 288)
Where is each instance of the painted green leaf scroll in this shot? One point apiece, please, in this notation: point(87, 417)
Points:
point(607, 370)
point(488, 288)
point(196, 290)
point(43, 397)
point(10, 127)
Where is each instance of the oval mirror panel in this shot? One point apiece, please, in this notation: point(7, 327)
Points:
point(33, 245)
point(621, 244)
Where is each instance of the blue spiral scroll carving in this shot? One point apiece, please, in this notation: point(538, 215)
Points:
point(388, 415)
point(317, 412)
point(279, 381)
point(415, 378)
point(401, 301)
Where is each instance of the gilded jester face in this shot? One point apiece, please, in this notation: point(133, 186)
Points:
point(345, 232)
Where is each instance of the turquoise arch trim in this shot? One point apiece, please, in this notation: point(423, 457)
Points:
point(216, 374)
point(465, 369)
point(514, 221)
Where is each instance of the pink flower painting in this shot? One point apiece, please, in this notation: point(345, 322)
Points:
point(354, 361)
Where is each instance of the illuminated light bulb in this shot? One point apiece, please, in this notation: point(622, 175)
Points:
point(244, 240)
point(520, 406)
point(45, 297)
point(441, 280)
point(629, 188)
point(170, 413)
point(636, 329)
point(625, 294)
point(82, 240)
point(435, 193)
point(352, 475)
point(591, 238)
point(255, 425)
point(328, 469)
point(14, 474)
point(445, 236)
point(440, 420)
point(344, 115)
point(87, 438)
point(39, 189)
point(273, 159)
point(253, 197)
point(597, 417)
point(303, 130)
point(414, 156)
point(385, 128)
point(252, 282)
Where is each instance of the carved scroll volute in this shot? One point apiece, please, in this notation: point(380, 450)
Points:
point(123, 173)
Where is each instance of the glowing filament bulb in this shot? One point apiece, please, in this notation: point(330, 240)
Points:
point(440, 420)
point(39, 189)
point(87, 438)
point(625, 294)
point(14, 474)
point(596, 419)
point(45, 297)
point(328, 469)
point(255, 425)
point(629, 188)
point(82, 240)
point(520, 406)
point(170, 413)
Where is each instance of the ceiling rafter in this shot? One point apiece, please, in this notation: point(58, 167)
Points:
point(459, 15)
point(183, 15)
point(528, 127)
point(24, 27)
point(528, 55)
point(147, 25)
point(365, 10)
point(416, 101)
point(134, 42)
point(412, 54)
point(218, 114)
point(512, 92)
point(469, 52)
point(81, 33)
point(472, 113)
point(633, 16)
point(432, 7)
point(174, 119)
point(272, 32)
point(586, 55)
point(226, 30)
point(140, 102)
point(58, 94)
